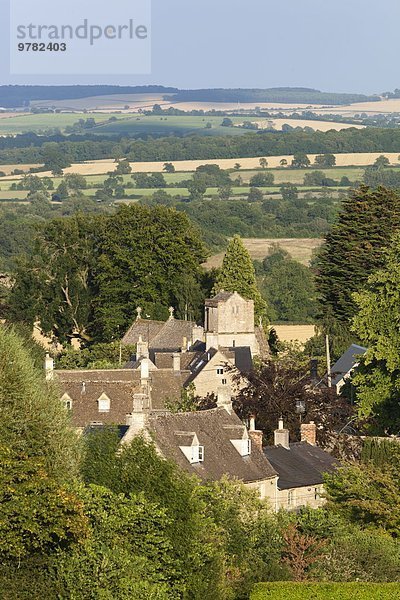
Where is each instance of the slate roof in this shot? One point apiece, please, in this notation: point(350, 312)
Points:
point(303, 465)
point(346, 362)
point(214, 429)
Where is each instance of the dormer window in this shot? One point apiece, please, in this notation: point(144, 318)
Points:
point(67, 401)
point(104, 404)
point(242, 446)
point(189, 445)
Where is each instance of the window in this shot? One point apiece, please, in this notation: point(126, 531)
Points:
point(224, 382)
point(316, 494)
point(242, 446)
point(67, 401)
point(103, 404)
point(220, 370)
point(197, 454)
point(290, 498)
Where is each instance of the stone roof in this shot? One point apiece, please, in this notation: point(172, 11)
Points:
point(144, 328)
point(84, 388)
point(346, 362)
point(300, 466)
point(214, 429)
point(161, 335)
point(165, 386)
point(171, 335)
point(222, 296)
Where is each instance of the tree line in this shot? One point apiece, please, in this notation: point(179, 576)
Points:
point(31, 148)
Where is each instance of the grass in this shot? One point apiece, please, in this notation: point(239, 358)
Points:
point(165, 125)
point(34, 123)
point(296, 176)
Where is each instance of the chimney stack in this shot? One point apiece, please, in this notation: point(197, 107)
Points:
point(49, 367)
point(176, 361)
point(185, 345)
point(225, 398)
point(142, 349)
point(281, 436)
point(255, 435)
point(144, 371)
point(308, 432)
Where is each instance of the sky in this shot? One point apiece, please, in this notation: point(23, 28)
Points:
point(332, 45)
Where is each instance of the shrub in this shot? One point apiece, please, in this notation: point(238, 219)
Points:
point(325, 591)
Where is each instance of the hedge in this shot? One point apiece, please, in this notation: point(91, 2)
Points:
point(326, 591)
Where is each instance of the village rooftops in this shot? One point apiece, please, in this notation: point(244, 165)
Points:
point(217, 439)
point(300, 465)
point(346, 363)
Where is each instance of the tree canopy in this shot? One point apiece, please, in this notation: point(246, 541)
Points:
point(352, 251)
point(238, 275)
point(87, 275)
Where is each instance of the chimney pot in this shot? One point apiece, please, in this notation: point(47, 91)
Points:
point(176, 360)
point(225, 398)
point(49, 367)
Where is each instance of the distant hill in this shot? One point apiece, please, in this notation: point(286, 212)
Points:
point(285, 95)
point(15, 96)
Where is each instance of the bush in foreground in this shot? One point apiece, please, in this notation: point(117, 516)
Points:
point(325, 591)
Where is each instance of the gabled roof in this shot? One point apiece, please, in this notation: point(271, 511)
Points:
point(84, 388)
point(214, 429)
point(346, 362)
point(222, 296)
point(161, 335)
point(145, 328)
point(171, 335)
point(300, 466)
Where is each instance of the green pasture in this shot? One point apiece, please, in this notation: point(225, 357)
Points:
point(296, 176)
point(166, 125)
point(34, 123)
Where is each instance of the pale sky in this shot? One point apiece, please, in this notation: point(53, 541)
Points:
point(332, 45)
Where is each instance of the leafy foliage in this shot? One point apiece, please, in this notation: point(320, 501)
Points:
point(352, 251)
point(238, 275)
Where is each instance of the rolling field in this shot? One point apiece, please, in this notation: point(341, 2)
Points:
point(296, 176)
point(108, 103)
point(166, 125)
point(102, 167)
point(316, 125)
point(342, 160)
point(300, 249)
point(26, 123)
point(294, 333)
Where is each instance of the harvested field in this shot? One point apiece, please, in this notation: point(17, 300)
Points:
point(300, 249)
point(316, 125)
point(294, 333)
point(8, 169)
point(99, 167)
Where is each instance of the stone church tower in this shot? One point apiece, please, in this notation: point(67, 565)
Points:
point(229, 322)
